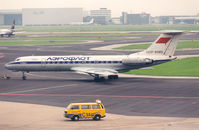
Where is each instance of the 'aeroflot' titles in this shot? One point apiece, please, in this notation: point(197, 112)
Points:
point(67, 58)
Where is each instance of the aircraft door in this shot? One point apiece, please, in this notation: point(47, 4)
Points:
point(43, 63)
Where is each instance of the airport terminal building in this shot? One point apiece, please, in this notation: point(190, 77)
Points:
point(51, 16)
point(41, 16)
point(68, 16)
point(101, 16)
point(7, 17)
point(135, 19)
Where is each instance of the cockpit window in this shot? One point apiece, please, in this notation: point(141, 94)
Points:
point(17, 59)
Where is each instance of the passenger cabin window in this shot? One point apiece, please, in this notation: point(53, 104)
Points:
point(95, 106)
point(75, 107)
point(86, 107)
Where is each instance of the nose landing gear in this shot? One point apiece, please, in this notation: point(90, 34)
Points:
point(23, 76)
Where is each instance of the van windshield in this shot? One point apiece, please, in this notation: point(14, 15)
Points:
point(68, 107)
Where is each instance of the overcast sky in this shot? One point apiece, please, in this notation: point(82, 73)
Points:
point(154, 7)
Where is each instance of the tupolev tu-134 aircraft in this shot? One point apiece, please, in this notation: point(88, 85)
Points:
point(102, 66)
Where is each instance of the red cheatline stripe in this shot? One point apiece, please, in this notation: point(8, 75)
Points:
point(108, 96)
point(163, 40)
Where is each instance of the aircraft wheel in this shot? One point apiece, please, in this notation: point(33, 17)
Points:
point(98, 79)
point(24, 78)
point(102, 78)
point(116, 77)
point(113, 77)
point(110, 77)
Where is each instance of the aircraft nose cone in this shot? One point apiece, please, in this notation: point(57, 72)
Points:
point(8, 66)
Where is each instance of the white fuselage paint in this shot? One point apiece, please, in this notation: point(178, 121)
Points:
point(6, 31)
point(65, 63)
point(162, 50)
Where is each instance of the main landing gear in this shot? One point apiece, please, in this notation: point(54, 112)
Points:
point(113, 77)
point(97, 78)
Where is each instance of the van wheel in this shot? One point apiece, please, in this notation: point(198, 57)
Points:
point(75, 118)
point(97, 117)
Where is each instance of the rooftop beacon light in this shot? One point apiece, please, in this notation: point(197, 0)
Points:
point(98, 101)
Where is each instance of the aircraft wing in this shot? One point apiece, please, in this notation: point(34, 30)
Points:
point(94, 71)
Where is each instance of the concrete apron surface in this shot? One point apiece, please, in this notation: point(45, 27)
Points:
point(21, 116)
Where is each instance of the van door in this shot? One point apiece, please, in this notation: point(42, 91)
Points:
point(96, 109)
point(75, 110)
point(86, 111)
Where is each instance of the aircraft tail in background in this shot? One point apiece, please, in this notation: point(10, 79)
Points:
point(13, 25)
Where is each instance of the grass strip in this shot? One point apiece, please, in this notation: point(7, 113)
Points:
point(182, 67)
point(181, 45)
point(14, 43)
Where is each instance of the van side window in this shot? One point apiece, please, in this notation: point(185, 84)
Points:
point(95, 106)
point(75, 107)
point(86, 107)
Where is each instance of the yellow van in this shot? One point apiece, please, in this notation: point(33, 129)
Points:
point(94, 111)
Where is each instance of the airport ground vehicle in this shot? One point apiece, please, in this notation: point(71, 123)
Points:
point(76, 111)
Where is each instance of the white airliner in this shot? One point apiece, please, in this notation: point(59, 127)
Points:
point(8, 32)
point(83, 23)
point(102, 66)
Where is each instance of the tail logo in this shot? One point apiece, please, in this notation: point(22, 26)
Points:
point(163, 40)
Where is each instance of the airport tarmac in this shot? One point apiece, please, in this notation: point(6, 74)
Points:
point(40, 117)
point(126, 96)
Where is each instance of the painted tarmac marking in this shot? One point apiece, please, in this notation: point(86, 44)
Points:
point(43, 76)
point(108, 96)
point(39, 89)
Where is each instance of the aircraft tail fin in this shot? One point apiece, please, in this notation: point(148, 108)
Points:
point(13, 25)
point(92, 21)
point(165, 44)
